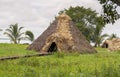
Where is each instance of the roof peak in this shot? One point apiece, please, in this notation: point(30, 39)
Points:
point(64, 16)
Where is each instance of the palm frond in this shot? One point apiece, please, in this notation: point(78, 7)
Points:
point(104, 35)
point(10, 36)
point(30, 35)
point(14, 33)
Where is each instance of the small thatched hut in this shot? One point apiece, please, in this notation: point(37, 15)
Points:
point(112, 45)
point(60, 36)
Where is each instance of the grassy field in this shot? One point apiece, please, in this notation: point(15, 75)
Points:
point(101, 64)
point(13, 50)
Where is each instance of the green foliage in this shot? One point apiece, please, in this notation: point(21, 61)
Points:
point(84, 19)
point(97, 38)
point(14, 33)
point(112, 36)
point(88, 22)
point(110, 14)
point(116, 2)
point(29, 35)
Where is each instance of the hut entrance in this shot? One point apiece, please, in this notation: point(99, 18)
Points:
point(53, 47)
point(106, 45)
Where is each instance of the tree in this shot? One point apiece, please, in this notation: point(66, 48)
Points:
point(116, 1)
point(97, 38)
point(14, 33)
point(110, 14)
point(29, 35)
point(86, 20)
point(112, 36)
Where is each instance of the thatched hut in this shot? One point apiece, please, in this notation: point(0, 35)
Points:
point(112, 45)
point(62, 35)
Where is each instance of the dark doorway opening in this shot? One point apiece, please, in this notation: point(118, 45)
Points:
point(52, 48)
point(106, 46)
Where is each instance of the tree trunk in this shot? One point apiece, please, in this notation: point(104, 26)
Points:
point(98, 45)
point(95, 45)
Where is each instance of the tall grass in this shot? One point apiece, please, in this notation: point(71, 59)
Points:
point(101, 64)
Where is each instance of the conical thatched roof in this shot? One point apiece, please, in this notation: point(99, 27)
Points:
point(62, 35)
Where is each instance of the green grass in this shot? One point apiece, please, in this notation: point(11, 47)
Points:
point(13, 50)
point(102, 64)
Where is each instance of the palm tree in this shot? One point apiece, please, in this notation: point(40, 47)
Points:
point(14, 33)
point(100, 39)
point(112, 36)
point(29, 35)
point(97, 38)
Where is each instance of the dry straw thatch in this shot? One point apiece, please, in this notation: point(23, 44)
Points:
point(62, 35)
point(112, 45)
